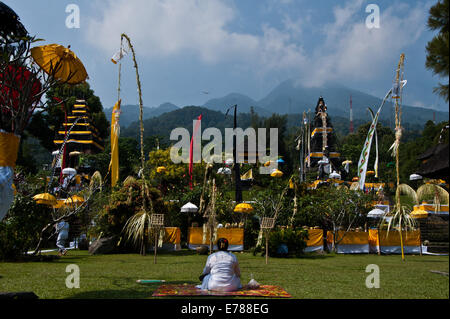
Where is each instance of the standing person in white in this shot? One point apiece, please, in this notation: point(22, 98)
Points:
point(221, 272)
point(63, 233)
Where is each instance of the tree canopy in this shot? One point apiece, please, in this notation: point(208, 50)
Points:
point(438, 48)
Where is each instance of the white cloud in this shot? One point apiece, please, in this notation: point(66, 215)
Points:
point(351, 49)
point(164, 28)
point(161, 29)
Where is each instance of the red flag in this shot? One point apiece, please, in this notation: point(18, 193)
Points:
point(191, 151)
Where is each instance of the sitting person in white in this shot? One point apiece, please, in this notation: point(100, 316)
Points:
point(221, 272)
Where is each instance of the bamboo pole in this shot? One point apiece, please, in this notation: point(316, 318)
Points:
point(141, 121)
point(397, 136)
point(156, 245)
point(144, 190)
point(212, 218)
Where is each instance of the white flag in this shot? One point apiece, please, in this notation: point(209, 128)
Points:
point(364, 157)
point(119, 55)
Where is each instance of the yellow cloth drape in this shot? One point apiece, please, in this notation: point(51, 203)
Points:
point(235, 236)
point(392, 238)
point(114, 164)
point(9, 147)
point(172, 235)
point(315, 238)
point(349, 238)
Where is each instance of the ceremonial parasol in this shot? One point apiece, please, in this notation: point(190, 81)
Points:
point(75, 199)
point(45, 199)
point(74, 153)
point(160, 169)
point(335, 175)
point(69, 171)
point(276, 173)
point(347, 162)
point(11, 28)
point(376, 213)
point(414, 177)
point(224, 170)
point(60, 62)
point(280, 161)
point(243, 208)
point(189, 208)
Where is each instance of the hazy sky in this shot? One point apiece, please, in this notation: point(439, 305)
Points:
point(187, 47)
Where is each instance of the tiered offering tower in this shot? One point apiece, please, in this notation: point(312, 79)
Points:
point(83, 137)
point(323, 142)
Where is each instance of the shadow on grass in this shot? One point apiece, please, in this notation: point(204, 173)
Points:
point(425, 260)
point(305, 256)
point(317, 256)
point(167, 253)
point(139, 291)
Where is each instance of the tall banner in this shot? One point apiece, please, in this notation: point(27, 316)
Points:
point(191, 150)
point(364, 157)
point(115, 132)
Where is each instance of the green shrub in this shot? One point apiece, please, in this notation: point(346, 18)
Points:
point(294, 239)
point(20, 230)
point(124, 202)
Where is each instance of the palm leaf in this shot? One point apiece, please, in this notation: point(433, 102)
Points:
point(408, 191)
point(354, 186)
point(402, 218)
point(129, 180)
point(96, 179)
point(433, 192)
point(136, 226)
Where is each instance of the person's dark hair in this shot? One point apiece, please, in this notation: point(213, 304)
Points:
point(222, 244)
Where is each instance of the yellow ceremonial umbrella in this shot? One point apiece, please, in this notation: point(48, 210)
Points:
point(370, 173)
point(60, 62)
point(276, 173)
point(74, 153)
point(160, 169)
point(59, 203)
point(45, 199)
point(243, 208)
point(419, 213)
point(73, 200)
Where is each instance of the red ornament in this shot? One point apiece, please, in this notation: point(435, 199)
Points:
point(13, 82)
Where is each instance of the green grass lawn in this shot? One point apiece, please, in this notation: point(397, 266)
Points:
point(313, 276)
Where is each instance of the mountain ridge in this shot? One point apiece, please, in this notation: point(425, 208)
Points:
point(289, 98)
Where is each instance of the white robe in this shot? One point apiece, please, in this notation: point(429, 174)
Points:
point(222, 272)
point(6, 190)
